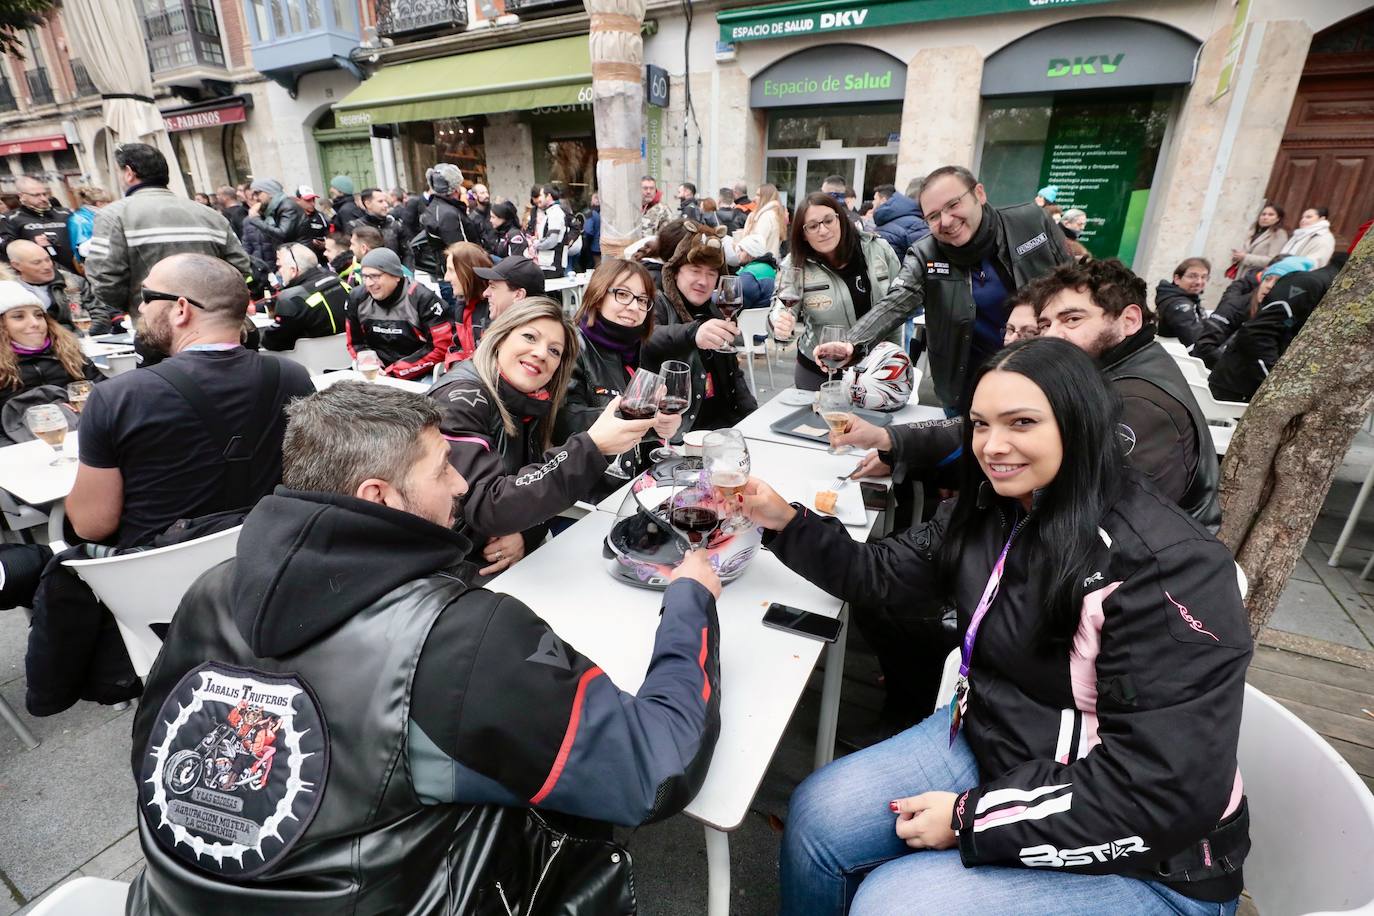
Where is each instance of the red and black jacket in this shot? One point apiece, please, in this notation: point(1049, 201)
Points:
point(411, 332)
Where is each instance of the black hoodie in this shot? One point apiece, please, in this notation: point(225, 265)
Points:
point(1179, 311)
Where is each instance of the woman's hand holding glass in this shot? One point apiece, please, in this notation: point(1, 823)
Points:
point(612, 435)
point(862, 434)
point(765, 508)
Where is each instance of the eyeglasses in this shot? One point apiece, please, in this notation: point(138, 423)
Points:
point(624, 297)
point(152, 295)
point(1024, 332)
point(816, 225)
point(372, 277)
point(934, 218)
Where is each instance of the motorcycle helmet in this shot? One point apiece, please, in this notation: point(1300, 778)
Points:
point(882, 380)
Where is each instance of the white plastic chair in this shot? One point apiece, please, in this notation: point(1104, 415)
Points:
point(753, 323)
point(1175, 346)
point(142, 589)
point(1311, 817)
point(84, 897)
point(1226, 411)
point(1193, 369)
point(317, 354)
point(948, 678)
point(119, 364)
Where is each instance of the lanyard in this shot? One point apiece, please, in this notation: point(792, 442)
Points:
point(959, 703)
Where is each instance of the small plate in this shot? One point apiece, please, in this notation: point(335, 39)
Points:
point(795, 397)
point(849, 508)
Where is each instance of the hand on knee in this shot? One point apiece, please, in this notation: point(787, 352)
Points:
point(923, 820)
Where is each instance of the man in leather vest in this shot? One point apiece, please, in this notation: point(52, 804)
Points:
point(337, 723)
point(311, 302)
point(1099, 307)
point(961, 274)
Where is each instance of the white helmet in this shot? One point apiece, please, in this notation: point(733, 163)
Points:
point(882, 380)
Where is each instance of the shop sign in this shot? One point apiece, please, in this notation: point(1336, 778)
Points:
point(353, 118)
point(1091, 54)
point(33, 145)
point(1233, 46)
point(215, 117)
point(830, 74)
point(822, 16)
point(1092, 155)
point(652, 148)
point(656, 86)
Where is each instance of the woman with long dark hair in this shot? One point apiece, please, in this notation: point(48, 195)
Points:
point(1086, 762)
point(508, 239)
point(1266, 239)
point(35, 351)
point(500, 410)
point(615, 319)
point(460, 261)
point(845, 271)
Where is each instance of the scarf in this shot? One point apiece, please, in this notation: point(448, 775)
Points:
point(979, 248)
point(31, 351)
point(644, 208)
point(1302, 233)
point(619, 339)
point(528, 407)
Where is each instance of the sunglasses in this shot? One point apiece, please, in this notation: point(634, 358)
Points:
point(152, 295)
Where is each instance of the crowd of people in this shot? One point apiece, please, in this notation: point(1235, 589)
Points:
point(1088, 756)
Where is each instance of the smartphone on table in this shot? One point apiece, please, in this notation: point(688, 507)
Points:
point(803, 623)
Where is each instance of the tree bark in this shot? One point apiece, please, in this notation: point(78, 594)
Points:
point(617, 52)
point(1295, 434)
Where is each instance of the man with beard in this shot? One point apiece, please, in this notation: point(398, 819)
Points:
point(149, 453)
point(316, 226)
point(346, 209)
point(653, 212)
point(375, 214)
point(961, 275)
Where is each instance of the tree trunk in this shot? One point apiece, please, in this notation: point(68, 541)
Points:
point(1296, 432)
point(617, 51)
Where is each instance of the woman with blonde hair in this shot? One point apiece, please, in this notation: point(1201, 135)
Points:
point(459, 260)
point(500, 409)
point(768, 222)
point(35, 352)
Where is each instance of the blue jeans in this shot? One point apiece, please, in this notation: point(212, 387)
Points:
point(840, 832)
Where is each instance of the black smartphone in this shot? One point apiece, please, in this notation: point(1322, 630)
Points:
point(803, 623)
point(876, 496)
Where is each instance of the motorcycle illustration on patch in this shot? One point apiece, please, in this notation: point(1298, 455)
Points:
point(234, 768)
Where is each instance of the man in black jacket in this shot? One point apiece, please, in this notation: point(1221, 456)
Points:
point(38, 220)
point(346, 209)
point(1178, 305)
point(39, 275)
point(232, 208)
point(445, 221)
point(407, 326)
point(371, 700)
point(275, 215)
point(376, 213)
point(311, 302)
point(1261, 340)
point(961, 275)
point(316, 227)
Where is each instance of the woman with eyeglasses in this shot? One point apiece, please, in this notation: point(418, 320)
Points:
point(614, 321)
point(844, 272)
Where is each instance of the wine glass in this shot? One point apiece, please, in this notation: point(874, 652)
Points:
point(677, 397)
point(49, 423)
point(787, 290)
point(729, 298)
point(693, 510)
point(369, 365)
point(837, 411)
point(77, 392)
point(81, 320)
point(726, 459)
point(831, 333)
point(639, 401)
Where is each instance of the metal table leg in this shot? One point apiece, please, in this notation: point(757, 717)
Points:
point(717, 872)
point(830, 694)
point(30, 741)
point(1352, 520)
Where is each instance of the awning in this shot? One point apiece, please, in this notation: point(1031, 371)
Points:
point(539, 75)
point(231, 109)
point(33, 145)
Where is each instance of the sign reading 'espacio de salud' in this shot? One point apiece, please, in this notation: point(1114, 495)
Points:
point(828, 74)
point(811, 17)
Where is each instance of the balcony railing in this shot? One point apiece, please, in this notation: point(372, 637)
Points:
point(7, 100)
point(195, 16)
point(407, 17)
point(84, 85)
point(40, 90)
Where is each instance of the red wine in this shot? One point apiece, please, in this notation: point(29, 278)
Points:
point(789, 301)
point(728, 309)
point(695, 521)
point(637, 410)
point(832, 362)
point(673, 405)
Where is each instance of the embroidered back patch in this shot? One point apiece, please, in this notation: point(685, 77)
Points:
point(235, 768)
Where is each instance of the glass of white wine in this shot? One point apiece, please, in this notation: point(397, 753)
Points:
point(49, 423)
point(836, 410)
point(77, 393)
point(726, 459)
point(81, 320)
point(369, 365)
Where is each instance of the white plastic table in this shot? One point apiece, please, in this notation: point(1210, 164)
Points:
point(755, 426)
point(762, 671)
point(27, 472)
point(569, 289)
point(322, 382)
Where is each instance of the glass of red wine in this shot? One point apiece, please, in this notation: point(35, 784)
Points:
point(639, 401)
point(693, 510)
point(787, 290)
point(729, 300)
point(831, 334)
point(677, 397)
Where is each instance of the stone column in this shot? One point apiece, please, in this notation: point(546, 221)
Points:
point(510, 158)
point(742, 133)
point(941, 113)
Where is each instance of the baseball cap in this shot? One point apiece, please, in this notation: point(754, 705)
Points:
point(305, 192)
point(516, 271)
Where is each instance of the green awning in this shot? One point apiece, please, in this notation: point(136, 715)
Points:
point(517, 78)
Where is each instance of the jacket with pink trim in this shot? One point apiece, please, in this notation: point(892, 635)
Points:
point(1116, 755)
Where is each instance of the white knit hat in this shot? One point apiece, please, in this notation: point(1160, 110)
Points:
point(14, 295)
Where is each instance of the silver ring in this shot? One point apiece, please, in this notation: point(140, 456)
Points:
point(499, 557)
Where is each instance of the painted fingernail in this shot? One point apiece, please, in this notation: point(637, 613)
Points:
point(893, 806)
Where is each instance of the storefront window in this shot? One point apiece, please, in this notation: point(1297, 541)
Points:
point(808, 128)
point(236, 159)
point(461, 142)
point(183, 162)
point(1099, 149)
point(781, 172)
point(571, 166)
